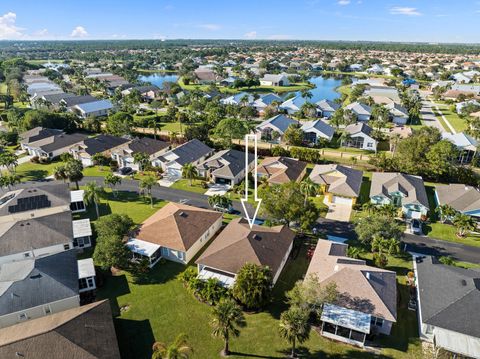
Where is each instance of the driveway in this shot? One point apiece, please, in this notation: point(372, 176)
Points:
point(217, 189)
point(168, 180)
point(339, 212)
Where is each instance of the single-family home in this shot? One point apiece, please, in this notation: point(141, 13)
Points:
point(53, 146)
point(175, 232)
point(147, 92)
point(326, 108)
point(35, 287)
point(360, 137)
point(402, 190)
point(464, 199)
point(398, 113)
point(274, 128)
point(293, 105)
point(239, 244)
point(36, 134)
point(280, 170)
point(124, 154)
point(466, 145)
point(448, 298)
point(103, 144)
point(71, 101)
point(362, 111)
point(375, 69)
point(72, 333)
point(193, 151)
point(242, 98)
point(266, 100)
point(274, 80)
point(340, 184)
point(317, 130)
point(226, 167)
point(470, 103)
point(205, 76)
point(97, 108)
point(383, 91)
point(367, 300)
point(50, 100)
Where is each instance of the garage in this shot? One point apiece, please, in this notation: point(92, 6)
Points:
point(174, 172)
point(342, 200)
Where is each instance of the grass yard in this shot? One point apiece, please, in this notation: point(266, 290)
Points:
point(29, 171)
point(160, 308)
point(184, 185)
point(457, 123)
point(96, 171)
point(318, 202)
point(172, 126)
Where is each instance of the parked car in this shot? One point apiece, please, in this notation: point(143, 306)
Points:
point(125, 171)
point(222, 209)
point(416, 226)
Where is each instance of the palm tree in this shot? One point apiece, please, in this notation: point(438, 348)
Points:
point(344, 138)
point(142, 159)
point(60, 173)
point(9, 181)
point(93, 194)
point(369, 207)
point(445, 212)
point(218, 201)
point(464, 223)
point(294, 326)
point(146, 184)
point(189, 171)
point(308, 189)
point(227, 319)
point(9, 160)
point(111, 181)
point(394, 141)
point(179, 349)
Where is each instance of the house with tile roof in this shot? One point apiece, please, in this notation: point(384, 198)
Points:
point(280, 170)
point(175, 232)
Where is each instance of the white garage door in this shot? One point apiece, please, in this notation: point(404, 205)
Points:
point(342, 200)
point(174, 172)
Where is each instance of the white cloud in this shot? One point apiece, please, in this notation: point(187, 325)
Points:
point(280, 37)
point(343, 2)
point(41, 33)
point(251, 35)
point(8, 29)
point(409, 11)
point(79, 31)
point(211, 27)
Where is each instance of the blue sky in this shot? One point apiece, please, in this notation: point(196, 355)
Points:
point(381, 20)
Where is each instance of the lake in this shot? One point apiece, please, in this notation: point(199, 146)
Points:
point(158, 78)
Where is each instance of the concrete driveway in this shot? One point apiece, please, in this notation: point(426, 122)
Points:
point(217, 189)
point(339, 212)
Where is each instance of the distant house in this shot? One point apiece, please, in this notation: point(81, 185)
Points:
point(317, 130)
point(402, 190)
point(340, 184)
point(102, 144)
point(205, 76)
point(462, 198)
point(280, 170)
point(124, 154)
point(239, 244)
point(367, 302)
point(274, 80)
point(72, 333)
point(466, 145)
point(194, 152)
point(226, 167)
point(274, 128)
point(51, 144)
point(362, 111)
point(97, 108)
point(148, 92)
point(266, 100)
point(398, 113)
point(238, 99)
point(293, 105)
point(326, 108)
point(50, 100)
point(71, 101)
point(175, 232)
point(360, 137)
point(375, 69)
point(383, 91)
point(448, 298)
point(40, 286)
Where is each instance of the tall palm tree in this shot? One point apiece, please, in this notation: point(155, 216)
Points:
point(111, 181)
point(60, 173)
point(227, 319)
point(464, 223)
point(445, 212)
point(179, 349)
point(294, 326)
point(146, 184)
point(189, 171)
point(308, 188)
point(142, 159)
point(93, 194)
point(344, 138)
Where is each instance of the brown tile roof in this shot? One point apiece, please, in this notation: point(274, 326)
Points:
point(341, 180)
point(282, 169)
point(177, 226)
point(237, 244)
point(364, 288)
point(85, 332)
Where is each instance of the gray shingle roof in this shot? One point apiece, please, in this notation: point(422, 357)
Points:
point(459, 196)
point(347, 185)
point(61, 141)
point(359, 127)
point(37, 134)
point(327, 105)
point(102, 143)
point(279, 122)
point(227, 163)
point(191, 151)
point(77, 100)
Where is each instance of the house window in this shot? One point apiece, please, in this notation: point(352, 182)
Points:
point(369, 144)
point(66, 247)
point(377, 321)
point(47, 310)
point(81, 242)
point(23, 316)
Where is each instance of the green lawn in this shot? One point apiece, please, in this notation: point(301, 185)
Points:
point(160, 308)
point(184, 184)
point(96, 171)
point(318, 202)
point(172, 126)
point(457, 123)
point(29, 171)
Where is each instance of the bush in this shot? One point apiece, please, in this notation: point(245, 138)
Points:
point(35, 159)
point(209, 291)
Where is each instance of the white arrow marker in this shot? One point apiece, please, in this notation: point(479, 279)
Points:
point(258, 201)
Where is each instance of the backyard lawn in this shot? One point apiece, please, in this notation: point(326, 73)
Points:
point(29, 171)
point(160, 308)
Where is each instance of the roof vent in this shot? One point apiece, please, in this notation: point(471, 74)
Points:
point(368, 275)
point(183, 214)
point(464, 282)
point(257, 237)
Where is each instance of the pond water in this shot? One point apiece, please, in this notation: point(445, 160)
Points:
point(159, 78)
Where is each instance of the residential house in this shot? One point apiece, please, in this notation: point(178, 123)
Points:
point(176, 232)
point(367, 301)
point(50, 100)
point(340, 184)
point(402, 190)
point(239, 244)
point(448, 298)
point(71, 101)
point(398, 113)
point(326, 108)
point(280, 170)
point(383, 91)
point(293, 105)
point(274, 128)
point(35, 287)
point(193, 151)
point(36, 134)
point(266, 100)
point(274, 80)
point(226, 167)
point(97, 108)
point(124, 154)
point(147, 92)
point(464, 199)
point(362, 111)
point(81, 332)
point(466, 145)
point(205, 76)
point(53, 146)
point(360, 137)
point(103, 144)
point(375, 69)
point(238, 99)
point(317, 130)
